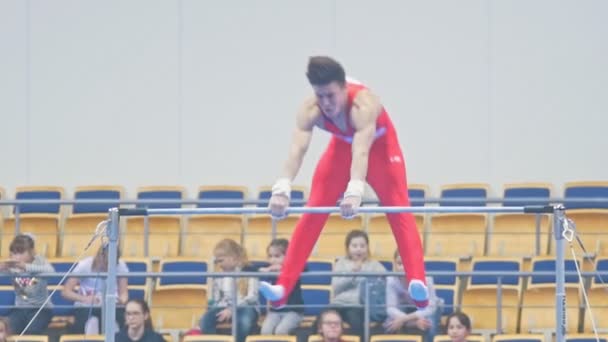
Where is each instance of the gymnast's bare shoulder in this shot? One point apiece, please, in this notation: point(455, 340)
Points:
point(309, 115)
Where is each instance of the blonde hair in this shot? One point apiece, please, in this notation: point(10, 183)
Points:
point(235, 250)
point(100, 260)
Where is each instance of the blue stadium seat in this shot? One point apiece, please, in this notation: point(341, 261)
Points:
point(516, 194)
point(60, 265)
point(160, 193)
point(574, 190)
point(7, 300)
point(586, 338)
point(222, 193)
point(61, 306)
point(39, 193)
point(519, 338)
point(318, 265)
point(137, 265)
point(438, 264)
point(417, 194)
point(481, 293)
point(316, 298)
point(184, 265)
point(477, 192)
point(298, 194)
point(96, 193)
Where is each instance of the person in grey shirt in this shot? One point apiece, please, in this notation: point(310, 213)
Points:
point(30, 291)
point(346, 290)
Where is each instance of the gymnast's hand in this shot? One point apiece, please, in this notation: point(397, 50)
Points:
point(278, 206)
point(352, 199)
point(281, 192)
point(349, 206)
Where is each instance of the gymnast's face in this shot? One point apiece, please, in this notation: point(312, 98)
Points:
point(331, 98)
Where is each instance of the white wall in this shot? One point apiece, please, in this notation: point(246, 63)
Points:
point(192, 92)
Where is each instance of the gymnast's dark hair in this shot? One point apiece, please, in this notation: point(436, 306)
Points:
point(323, 70)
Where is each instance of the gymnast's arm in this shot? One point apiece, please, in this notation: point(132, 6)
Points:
point(365, 111)
point(301, 137)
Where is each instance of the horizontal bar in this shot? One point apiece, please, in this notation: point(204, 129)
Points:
point(148, 201)
point(211, 274)
point(321, 210)
point(532, 200)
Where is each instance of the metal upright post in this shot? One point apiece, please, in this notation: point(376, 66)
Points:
point(537, 222)
point(17, 219)
point(366, 310)
point(499, 327)
point(111, 297)
point(560, 291)
point(146, 236)
point(234, 308)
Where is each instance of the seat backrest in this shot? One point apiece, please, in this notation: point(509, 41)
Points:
point(316, 298)
point(544, 264)
point(601, 266)
point(477, 192)
point(39, 193)
point(222, 193)
point(417, 194)
point(519, 338)
point(449, 295)
point(586, 338)
point(581, 190)
point(160, 193)
point(60, 266)
point(96, 193)
point(184, 265)
point(318, 265)
point(81, 338)
point(495, 265)
point(442, 265)
point(298, 196)
point(522, 194)
point(137, 293)
point(7, 300)
point(137, 265)
point(61, 306)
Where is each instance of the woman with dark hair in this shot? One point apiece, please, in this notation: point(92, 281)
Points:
point(138, 324)
point(458, 326)
point(346, 291)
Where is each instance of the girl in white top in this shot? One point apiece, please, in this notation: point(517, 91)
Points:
point(89, 296)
